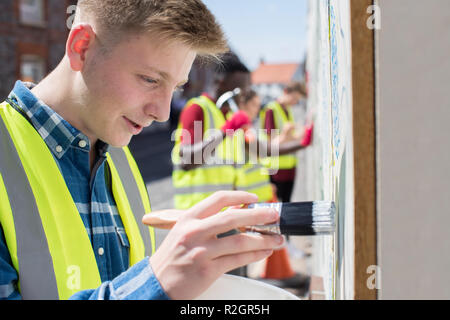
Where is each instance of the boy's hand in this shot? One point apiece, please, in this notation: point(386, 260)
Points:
point(191, 257)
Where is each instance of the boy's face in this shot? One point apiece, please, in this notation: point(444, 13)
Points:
point(131, 86)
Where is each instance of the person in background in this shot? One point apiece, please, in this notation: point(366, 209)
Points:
point(196, 172)
point(277, 115)
point(252, 177)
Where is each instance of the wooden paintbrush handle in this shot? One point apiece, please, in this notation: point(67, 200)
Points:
point(162, 219)
point(166, 219)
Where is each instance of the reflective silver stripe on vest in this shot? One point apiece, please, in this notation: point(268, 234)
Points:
point(36, 273)
point(253, 168)
point(204, 188)
point(212, 124)
point(253, 186)
point(280, 121)
point(278, 118)
point(134, 196)
point(203, 166)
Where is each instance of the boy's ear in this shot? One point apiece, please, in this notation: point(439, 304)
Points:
point(80, 40)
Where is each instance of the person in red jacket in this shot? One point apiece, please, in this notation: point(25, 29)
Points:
point(284, 178)
point(232, 74)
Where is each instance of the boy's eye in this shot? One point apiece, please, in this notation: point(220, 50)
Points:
point(149, 80)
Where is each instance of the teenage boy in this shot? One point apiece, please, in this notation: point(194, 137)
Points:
point(71, 196)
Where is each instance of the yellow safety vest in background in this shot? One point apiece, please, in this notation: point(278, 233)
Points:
point(46, 238)
point(251, 176)
point(192, 186)
point(288, 161)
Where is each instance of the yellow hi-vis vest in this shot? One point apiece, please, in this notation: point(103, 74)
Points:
point(251, 176)
point(46, 238)
point(192, 186)
point(285, 161)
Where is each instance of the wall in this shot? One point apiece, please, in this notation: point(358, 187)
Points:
point(414, 154)
point(329, 163)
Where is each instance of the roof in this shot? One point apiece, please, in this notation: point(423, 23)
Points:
point(274, 73)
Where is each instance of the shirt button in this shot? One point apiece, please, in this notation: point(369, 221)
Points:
point(82, 144)
point(101, 251)
point(59, 149)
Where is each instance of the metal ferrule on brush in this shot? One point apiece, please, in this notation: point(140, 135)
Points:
point(269, 229)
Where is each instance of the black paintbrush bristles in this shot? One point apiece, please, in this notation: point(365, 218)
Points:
point(302, 218)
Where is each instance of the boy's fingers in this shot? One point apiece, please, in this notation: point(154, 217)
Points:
point(233, 261)
point(237, 218)
point(219, 200)
point(244, 242)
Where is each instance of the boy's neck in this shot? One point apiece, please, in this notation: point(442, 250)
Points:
point(57, 90)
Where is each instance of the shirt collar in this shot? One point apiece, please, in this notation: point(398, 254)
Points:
point(57, 133)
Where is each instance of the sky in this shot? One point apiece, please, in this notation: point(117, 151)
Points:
point(274, 30)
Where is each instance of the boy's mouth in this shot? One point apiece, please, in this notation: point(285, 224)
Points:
point(135, 128)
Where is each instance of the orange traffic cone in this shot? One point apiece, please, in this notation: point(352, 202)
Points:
point(278, 266)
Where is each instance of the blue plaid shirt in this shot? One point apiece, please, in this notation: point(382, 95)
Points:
point(95, 203)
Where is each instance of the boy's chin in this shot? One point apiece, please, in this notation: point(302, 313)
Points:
point(119, 142)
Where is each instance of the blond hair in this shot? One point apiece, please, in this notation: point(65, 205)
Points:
point(186, 21)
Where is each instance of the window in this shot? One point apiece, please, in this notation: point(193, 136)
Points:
point(32, 12)
point(32, 68)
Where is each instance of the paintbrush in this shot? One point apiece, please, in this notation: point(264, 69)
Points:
point(296, 218)
point(299, 218)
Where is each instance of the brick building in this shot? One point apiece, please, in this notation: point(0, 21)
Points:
point(32, 39)
point(269, 79)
